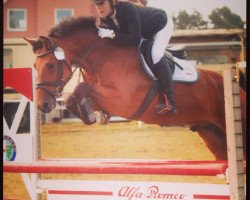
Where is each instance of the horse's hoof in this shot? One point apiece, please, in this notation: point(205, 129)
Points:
point(87, 104)
point(91, 117)
point(101, 118)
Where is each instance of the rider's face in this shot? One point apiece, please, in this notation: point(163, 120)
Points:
point(104, 8)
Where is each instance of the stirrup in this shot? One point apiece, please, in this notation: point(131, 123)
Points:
point(172, 107)
point(164, 111)
point(165, 108)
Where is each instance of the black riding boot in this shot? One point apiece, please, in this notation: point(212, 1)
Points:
point(163, 73)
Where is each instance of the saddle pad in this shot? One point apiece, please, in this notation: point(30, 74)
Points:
point(189, 73)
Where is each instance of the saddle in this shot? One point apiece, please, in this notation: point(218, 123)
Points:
point(182, 70)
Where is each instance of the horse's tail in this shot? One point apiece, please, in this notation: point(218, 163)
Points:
point(243, 80)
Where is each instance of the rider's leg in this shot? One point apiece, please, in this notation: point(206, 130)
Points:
point(161, 68)
point(164, 75)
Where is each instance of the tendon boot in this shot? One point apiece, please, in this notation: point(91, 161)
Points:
point(163, 74)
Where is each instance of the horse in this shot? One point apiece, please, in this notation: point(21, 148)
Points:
point(116, 84)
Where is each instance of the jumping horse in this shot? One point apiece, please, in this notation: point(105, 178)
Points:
point(116, 84)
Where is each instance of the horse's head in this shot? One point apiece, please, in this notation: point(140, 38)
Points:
point(53, 72)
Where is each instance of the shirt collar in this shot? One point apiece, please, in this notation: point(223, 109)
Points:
point(113, 16)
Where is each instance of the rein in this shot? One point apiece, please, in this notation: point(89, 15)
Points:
point(60, 83)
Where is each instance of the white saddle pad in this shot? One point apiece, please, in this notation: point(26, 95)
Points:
point(188, 74)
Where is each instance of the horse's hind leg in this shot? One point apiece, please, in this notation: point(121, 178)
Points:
point(214, 138)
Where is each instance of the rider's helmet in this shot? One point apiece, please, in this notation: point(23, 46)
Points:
point(112, 2)
point(97, 1)
point(101, 1)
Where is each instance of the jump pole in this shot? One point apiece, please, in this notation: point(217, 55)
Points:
point(234, 135)
point(116, 166)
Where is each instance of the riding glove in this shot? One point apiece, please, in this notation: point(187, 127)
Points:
point(108, 33)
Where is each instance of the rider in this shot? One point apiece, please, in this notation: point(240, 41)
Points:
point(127, 23)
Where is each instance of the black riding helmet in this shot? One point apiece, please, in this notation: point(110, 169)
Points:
point(99, 2)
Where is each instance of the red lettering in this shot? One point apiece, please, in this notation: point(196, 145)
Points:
point(130, 192)
point(154, 193)
point(153, 190)
point(123, 191)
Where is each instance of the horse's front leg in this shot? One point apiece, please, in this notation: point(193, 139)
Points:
point(80, 104)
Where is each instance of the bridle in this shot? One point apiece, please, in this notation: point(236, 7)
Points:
point(60, 83)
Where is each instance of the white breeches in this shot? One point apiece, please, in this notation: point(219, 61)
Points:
point(161, 41)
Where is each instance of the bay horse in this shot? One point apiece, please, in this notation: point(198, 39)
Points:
point(116, 83)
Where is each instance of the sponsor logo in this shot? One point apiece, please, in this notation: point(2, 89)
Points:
point(153, 192)
point(9, 148)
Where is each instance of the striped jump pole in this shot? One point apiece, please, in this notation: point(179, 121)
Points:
point(152, 167)
point(126, 190)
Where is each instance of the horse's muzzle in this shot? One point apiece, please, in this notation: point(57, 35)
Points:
point(46, 106)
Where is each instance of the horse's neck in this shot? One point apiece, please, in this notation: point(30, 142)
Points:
point(107, 55)
point(77, 45)
point(100, 57)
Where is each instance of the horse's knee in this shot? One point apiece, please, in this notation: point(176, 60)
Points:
point(81, 107)
point(71, 104)
point(80, 103)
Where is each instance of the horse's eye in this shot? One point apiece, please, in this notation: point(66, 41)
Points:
point(50, 65)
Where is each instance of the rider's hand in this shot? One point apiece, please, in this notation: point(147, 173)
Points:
point(108, 33)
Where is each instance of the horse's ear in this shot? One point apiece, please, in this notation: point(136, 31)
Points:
point(47, 42)
point(30, 41)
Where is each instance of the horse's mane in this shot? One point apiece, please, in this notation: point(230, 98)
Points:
point(70, 26)
point(65, 28)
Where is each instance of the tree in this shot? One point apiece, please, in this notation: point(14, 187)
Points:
point(186, 21)
point(196, 21)
point(224, 18)
point(182, 20)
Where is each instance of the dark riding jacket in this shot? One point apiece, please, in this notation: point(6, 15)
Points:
point(135, 22)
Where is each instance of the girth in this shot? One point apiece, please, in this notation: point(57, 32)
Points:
point(154, 88)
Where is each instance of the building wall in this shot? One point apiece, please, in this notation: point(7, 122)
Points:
point(211, 46)
point(31, 6)
point(21, 56)
point(41, 14)
point(46, 12)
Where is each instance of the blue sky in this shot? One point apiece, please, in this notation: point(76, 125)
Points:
point(204, 7)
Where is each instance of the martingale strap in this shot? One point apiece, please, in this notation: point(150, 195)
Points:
point(147, 99)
